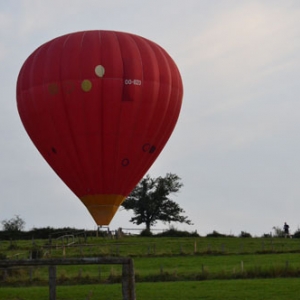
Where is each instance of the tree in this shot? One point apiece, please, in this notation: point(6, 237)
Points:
point(150, 203)
point(278, 232)
point(13, 225)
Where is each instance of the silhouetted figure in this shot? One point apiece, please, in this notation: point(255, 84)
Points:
point(286, 229)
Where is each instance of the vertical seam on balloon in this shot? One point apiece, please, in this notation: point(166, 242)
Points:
point(71, 163)
point(136, 112)
point(175, 97)
point(81, 174)
point(174, 100)
point(116, 165)
point(101, 112)
point(164, 55)
point(89, 175)
point(86, 176)
point(139, 164)
point(160, 132)
point(144, 167)
point(78, 172)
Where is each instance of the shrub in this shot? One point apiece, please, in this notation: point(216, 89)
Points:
point(278, 232)
point(267, 235)
point(245, 234)
point(177, 233)
point(215, 234)
point(146, 232)
point(296, 235)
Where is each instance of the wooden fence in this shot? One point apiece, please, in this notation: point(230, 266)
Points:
point(128, 277)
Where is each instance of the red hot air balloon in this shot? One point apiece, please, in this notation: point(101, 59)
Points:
point(99, 106)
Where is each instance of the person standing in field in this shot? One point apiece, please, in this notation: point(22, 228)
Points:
point(286, 229)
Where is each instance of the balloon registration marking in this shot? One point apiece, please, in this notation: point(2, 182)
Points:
point(133, 81)
point(148, 148)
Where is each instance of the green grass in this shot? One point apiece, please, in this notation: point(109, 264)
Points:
point(155, 246)
point(166, 268)
point(163, 259)
point(255, 289)
point(220, 266)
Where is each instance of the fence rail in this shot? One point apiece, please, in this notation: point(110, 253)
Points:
point(128, 277)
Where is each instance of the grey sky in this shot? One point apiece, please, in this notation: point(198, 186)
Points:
point(236, 144)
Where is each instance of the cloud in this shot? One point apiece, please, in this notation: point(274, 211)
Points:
point(241, 66)
point(243, 47)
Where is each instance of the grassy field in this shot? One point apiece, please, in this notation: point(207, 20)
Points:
point(155, 246)
point(254, 289)
point(166, 268)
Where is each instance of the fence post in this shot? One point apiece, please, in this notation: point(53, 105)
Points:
point(52, 282)
point(128, 281)
point(128, 276)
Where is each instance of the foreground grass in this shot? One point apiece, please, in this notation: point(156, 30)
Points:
point(255, 289)
point(166, 268)
point(162, 259)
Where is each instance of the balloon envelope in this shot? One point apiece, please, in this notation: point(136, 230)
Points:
point(99, 106)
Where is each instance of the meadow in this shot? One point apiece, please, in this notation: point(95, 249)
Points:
point(193, 266)
point(250, 289)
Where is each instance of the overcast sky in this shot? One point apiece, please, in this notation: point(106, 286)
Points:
point(236, 145)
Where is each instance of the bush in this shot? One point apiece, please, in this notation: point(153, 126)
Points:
point(13, 225)
point(278, 232)
point(296, 235)
point(45, 233)
point(177, 233)
point(245, 234)
point(146, 232)
point(215, 234)
point(266, 235)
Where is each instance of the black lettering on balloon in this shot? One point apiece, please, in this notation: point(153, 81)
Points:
point(152, 149)
point(54, 150)
point(148, 148)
